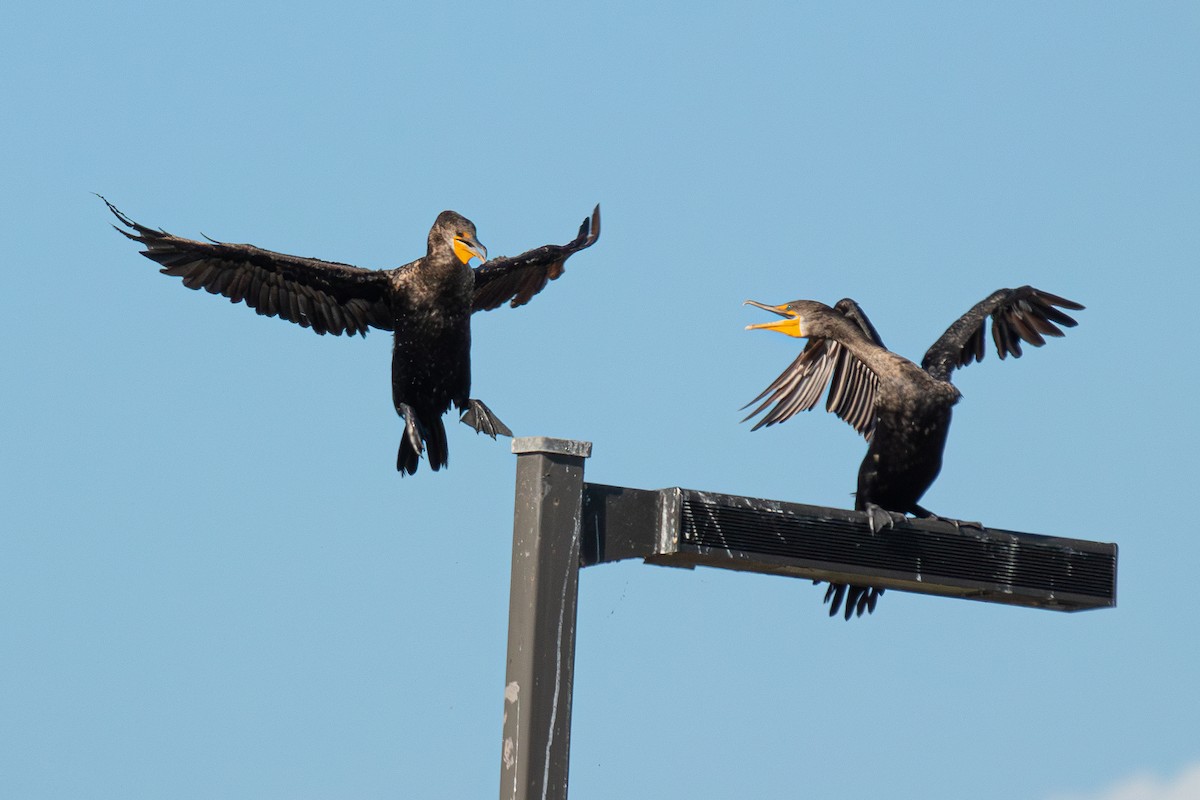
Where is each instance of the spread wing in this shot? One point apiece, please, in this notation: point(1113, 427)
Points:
point(825, 363)
point(322, 295)
point(1024, 314)
point(516, 280)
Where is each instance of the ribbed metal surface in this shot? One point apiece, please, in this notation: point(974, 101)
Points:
point(999, 561)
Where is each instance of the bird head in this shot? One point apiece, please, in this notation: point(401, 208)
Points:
point(458, 233)
point(792, 323)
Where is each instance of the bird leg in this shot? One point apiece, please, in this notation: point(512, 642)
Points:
point(481, 418)
point(879, 517)
point(413, 428)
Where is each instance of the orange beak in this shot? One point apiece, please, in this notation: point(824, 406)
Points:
point(790, 324)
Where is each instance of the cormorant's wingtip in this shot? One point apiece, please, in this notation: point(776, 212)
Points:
point(126, 233)
point(125, 220)
point(116, 211)
point(589, 231)
point(762, 423)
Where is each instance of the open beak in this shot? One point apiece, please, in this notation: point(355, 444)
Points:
point(790, 324)
point(467, 246)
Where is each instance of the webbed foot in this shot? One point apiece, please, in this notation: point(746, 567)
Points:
point(958, 524)
point(414, 431)
point(481, 418)
point(879, 518)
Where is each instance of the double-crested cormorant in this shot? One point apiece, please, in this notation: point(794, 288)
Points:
point(427, 303)
point(903, 410)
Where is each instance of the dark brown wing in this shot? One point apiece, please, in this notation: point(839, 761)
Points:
point(1023, 314)
point(516, 280)
point(825, 363)
point(322, 295)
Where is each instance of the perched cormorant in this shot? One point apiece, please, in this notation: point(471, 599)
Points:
point(427, 303)
point(903, 410)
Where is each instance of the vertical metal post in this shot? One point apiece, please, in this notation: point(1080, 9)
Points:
point(541, 618)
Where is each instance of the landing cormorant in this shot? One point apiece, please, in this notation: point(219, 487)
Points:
point(427, 303)
point(903, 410)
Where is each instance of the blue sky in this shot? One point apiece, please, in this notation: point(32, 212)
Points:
point(214, 584)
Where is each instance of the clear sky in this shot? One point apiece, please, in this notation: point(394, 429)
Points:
point(213, 583)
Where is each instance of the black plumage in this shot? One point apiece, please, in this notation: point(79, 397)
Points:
point(901, 409)
point(426, 303)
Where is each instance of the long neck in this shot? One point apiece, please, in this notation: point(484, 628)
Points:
point(438, 247)
point(880, 360)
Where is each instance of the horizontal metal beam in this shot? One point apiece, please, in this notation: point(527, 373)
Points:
point(686, 528)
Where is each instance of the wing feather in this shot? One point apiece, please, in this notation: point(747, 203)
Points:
point(516, 280)
point(1024, 314)
point(825, 364)
point(323, 295)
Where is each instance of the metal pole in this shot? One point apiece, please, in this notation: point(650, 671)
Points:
point(541, 618)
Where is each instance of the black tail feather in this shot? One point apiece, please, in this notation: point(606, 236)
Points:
point(437, 450)
point(858, 599)
point(408, 458)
